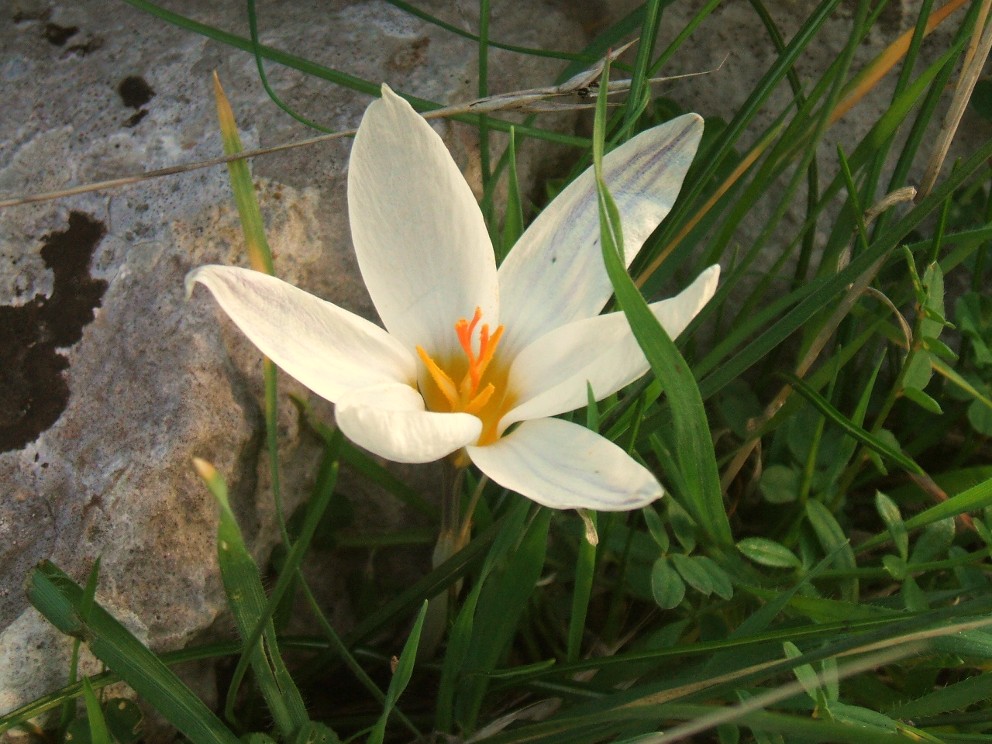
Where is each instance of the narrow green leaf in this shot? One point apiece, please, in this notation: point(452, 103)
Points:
point(834, 540)
point(889, 512)
point(259, 254)
point(873, 442)
point(695, 456)
point(956, 696)
point(513, 219)
point(804, 672)
point(656, 528)
point(246, 598)
point(99, 733)
point(692, 573)
point(923, 400)
point(934, 543)
point(401, 677)
point(60, 601)
point(585, 567)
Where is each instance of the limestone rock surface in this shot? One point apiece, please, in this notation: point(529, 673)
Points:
point(111, 380)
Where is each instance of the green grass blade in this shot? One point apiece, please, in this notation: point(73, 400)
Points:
point(585, 569)
point(246, 598)
point(694, 455)
point(99, 733)
point(401, 677)
point(60, 601)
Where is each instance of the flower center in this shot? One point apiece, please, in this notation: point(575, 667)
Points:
point(469, 383)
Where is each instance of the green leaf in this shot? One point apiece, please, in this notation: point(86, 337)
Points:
point(667, 586)
point(513, 220)
point(60, 601)
point(834, 540)
point(585, 567)
point(401, 677)
point(779, 484)
point(914, 598)
point(934, 543)
point(892, 518)
point(656, 528)
point(874, 442)
point(953, 697)
point(99, 733)
point(918, 371)
point(980, 417)
point(895, 565)
point(246, 598)
point(695, 457)
point(804, 672)
point(923, 400)
point(769, 553)
point(694, 575)
point(718, 578)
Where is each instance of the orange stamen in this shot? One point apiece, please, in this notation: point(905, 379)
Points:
point(444, 382)
point(466, 396)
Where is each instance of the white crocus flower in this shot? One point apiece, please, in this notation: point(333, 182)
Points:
point(469, 351)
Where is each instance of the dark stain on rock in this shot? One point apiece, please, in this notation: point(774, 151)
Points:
point(59, 35)
point(409, 56)
point(135, 118)
point(84, 48)
point(134, 91)
point(33, 392)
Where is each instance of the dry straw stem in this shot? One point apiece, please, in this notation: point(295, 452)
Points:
point(582, 86)
point(862, 84)
point(974, 60)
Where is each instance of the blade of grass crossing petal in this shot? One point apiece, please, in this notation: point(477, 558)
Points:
point(585, 568)
point(694, 455)
point(60, 601)
point(246, 598)
point(99, 733)
point(401, 677)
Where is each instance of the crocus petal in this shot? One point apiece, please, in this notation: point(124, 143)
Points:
point(550, 376)
point(555, 272)
point(566, 466)
point(328, 349)
point(390, 421)
point(419, 236)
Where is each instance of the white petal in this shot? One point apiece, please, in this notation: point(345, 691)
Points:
point(328, 349)
point(555, 272)
point(566, 466)
point(420, 239)
point(550, 376)
point(390, 421)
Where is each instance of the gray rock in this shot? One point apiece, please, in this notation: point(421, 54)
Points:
point(112, 382)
